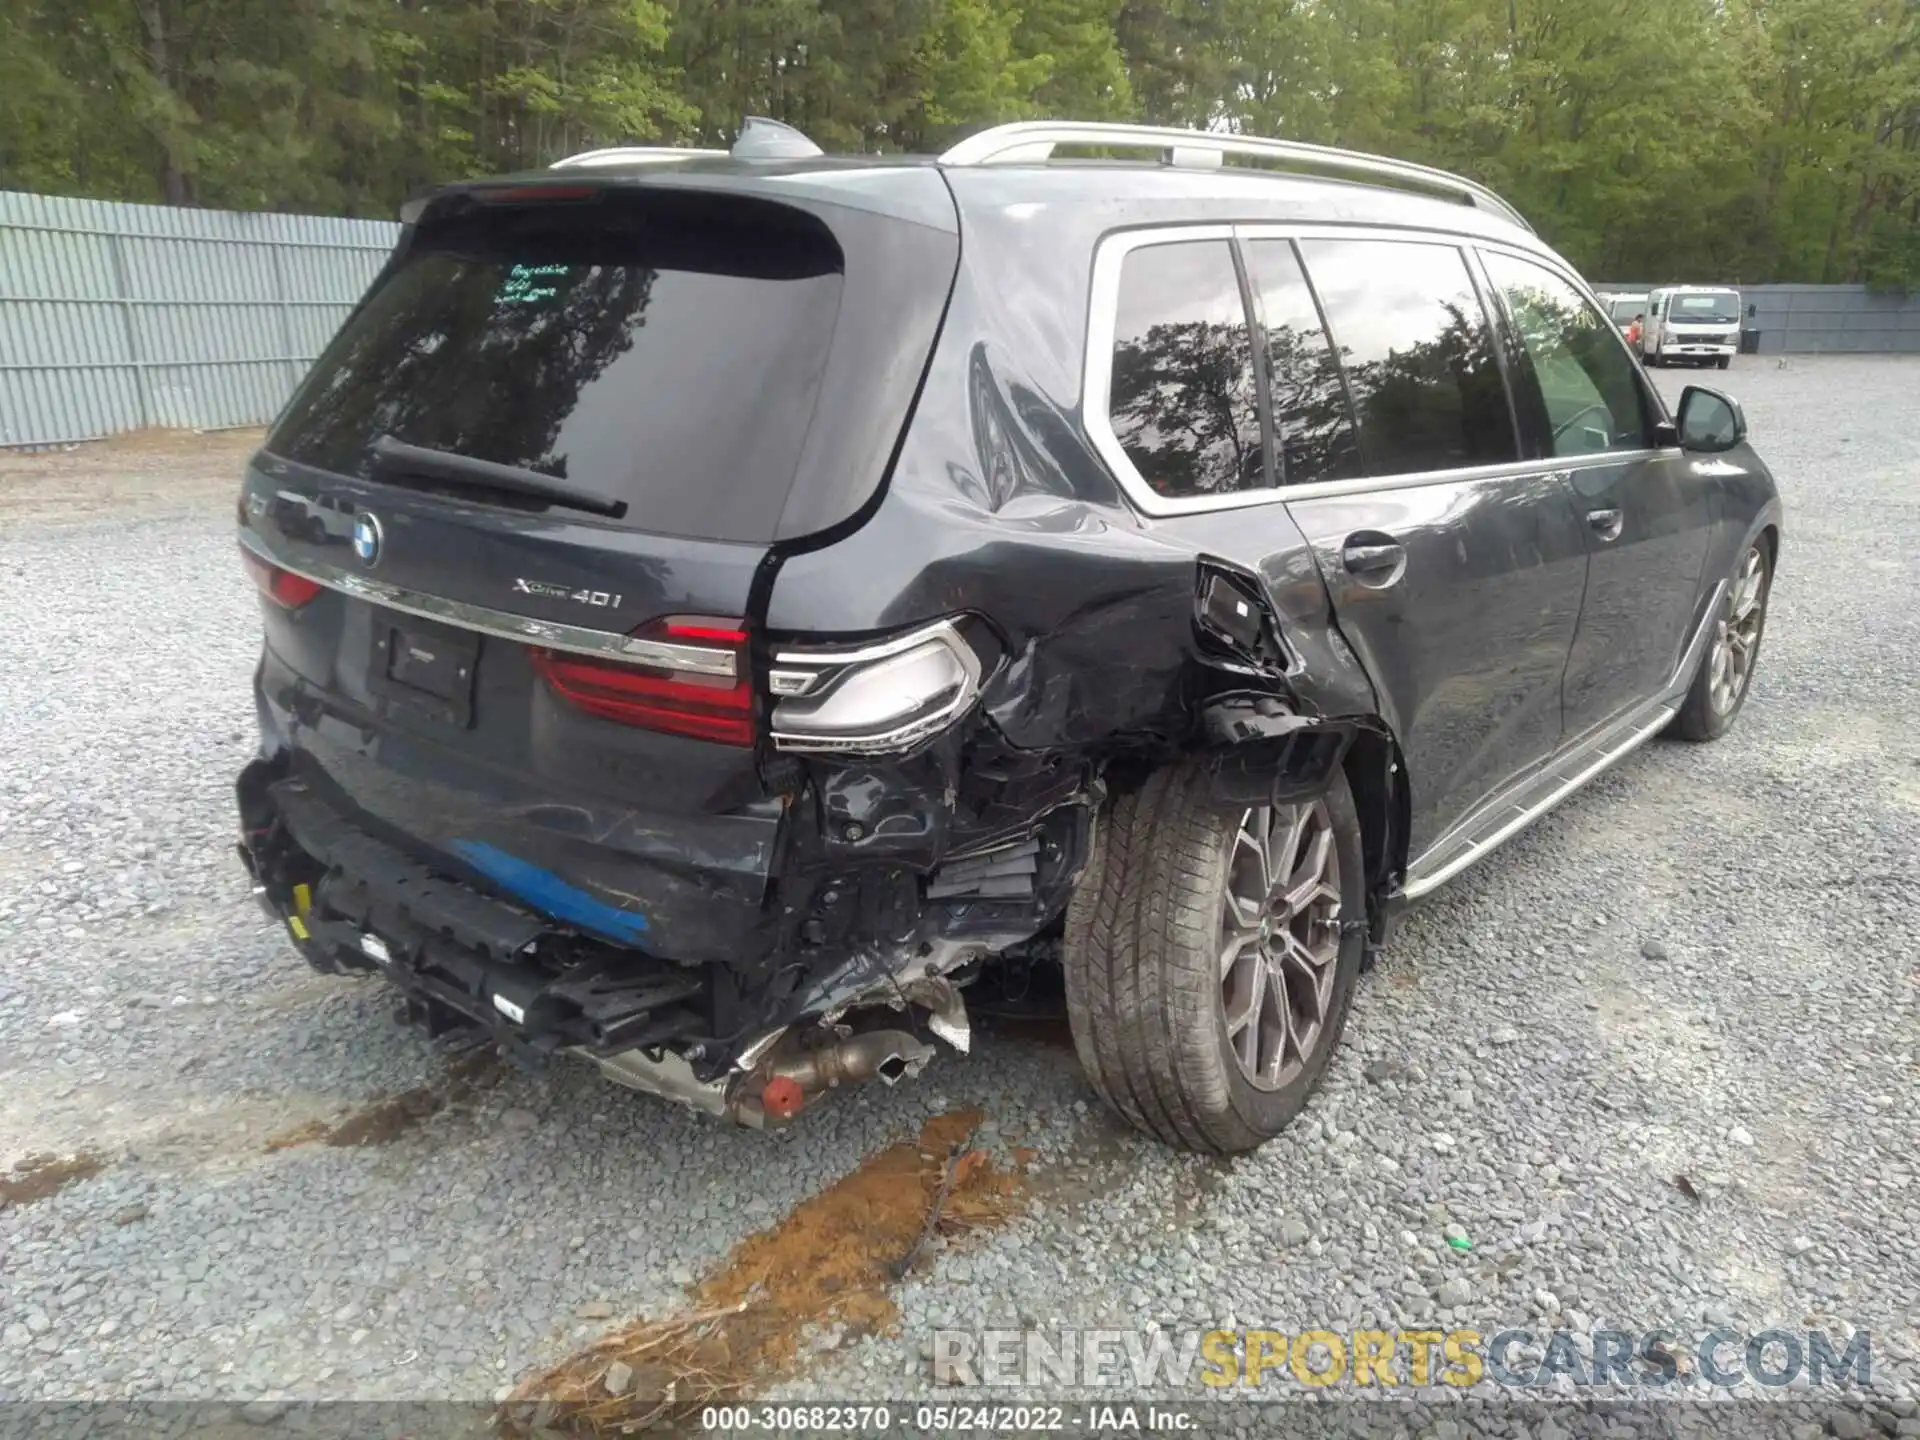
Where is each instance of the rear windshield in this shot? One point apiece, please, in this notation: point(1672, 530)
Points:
point(662, 350)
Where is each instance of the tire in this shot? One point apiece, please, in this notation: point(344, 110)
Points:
point(1146, 937)
point(1724, 362)
point(1725, 674)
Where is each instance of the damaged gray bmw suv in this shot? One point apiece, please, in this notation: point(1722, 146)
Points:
point(719, 606)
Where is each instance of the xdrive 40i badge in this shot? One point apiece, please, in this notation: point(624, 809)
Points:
point(547, 590)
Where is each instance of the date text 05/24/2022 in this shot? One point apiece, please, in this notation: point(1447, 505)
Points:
point(946, 1419)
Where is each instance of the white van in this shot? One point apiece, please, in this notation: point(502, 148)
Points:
point(1622, 306)
point(1691, 324)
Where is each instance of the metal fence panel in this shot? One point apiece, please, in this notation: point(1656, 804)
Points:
point(114, 317)
point(1821, 319)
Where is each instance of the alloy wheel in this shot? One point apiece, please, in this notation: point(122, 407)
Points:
point(1738, 636)
point(1279, 939)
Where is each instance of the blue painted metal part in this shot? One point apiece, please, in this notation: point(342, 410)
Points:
point(550, 894)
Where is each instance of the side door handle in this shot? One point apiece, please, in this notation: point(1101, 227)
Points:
point(1605, 523)
point(1374, 560)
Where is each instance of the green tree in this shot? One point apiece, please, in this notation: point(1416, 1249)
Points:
point(1680, 139)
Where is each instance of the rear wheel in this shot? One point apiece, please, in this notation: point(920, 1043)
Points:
point(1720, 685)
point(1209, 959)
point(1724, 361)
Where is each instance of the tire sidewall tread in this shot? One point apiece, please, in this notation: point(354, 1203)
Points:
point(1141, 959)
point(1697, 720)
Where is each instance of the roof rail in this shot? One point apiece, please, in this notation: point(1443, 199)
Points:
point(633, 155)
point(1029, 142)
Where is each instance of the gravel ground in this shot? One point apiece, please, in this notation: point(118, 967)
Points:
point(1699, 967)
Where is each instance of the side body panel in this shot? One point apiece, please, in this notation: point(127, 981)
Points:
point(999, 501)
point(1643, 516)
point(1646, 520)
point(1468, 646)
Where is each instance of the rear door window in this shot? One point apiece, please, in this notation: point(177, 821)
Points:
point(1587, 383)
point(1311, 423)
point(1413, 336)
point(659, 350)
point(1182, 399)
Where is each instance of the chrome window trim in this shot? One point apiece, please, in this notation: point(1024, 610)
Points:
point(1096, 385)
point(1508, 469)
point(1097, 377)
point(502, 624)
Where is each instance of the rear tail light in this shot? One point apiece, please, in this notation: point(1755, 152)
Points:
point(710, 700)
point(284, 588)
point(691, 676)
point(874, 699)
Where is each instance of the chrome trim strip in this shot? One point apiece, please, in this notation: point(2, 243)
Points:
point(1033, 141)
point(1661, 707)
point(575, 639)
point(633, 155)
point(1417, 234)
point(1477, 849)
point(1097, 380)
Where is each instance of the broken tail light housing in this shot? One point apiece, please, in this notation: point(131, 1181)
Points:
point(284, 588)
point(874, 699)
point(700, 687)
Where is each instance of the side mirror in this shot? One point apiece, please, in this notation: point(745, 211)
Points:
point(1709, 421)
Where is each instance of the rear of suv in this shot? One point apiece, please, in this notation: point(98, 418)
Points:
point(719, 607)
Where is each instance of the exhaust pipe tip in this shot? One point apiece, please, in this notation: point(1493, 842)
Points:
point(890, 1055)
point(782, 1099)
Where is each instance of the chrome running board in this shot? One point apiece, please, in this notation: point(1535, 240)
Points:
point(1507, 814)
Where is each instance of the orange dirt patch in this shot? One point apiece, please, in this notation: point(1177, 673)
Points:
point(385, 1121)
point(833, 1259)
point(38, 1176)
point(311, 1133)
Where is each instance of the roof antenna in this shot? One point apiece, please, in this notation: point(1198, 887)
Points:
point(764, 139)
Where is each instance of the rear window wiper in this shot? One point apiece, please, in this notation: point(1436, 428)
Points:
point(395, 460)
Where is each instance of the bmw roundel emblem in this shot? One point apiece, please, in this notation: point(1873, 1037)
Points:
point(367, 537)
